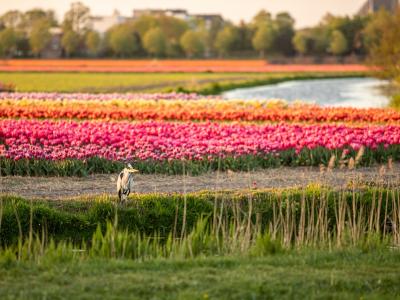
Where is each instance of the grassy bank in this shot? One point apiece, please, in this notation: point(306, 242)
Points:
point(351, 274)
point(203, 83)
point(313, 243)
point(395, 101)
point(331, 215)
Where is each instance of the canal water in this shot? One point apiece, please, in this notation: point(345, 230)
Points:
point(354, 92)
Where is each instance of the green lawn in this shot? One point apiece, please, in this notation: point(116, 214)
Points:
point(294, 275)
point(135, 262)
point(209, 83)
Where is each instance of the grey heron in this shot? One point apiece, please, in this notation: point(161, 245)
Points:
point(125, 182)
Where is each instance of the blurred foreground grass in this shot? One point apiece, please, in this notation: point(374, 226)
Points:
point(312, 274)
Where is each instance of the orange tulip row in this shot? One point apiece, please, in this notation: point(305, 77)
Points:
point(197, 110)
point(108, 65)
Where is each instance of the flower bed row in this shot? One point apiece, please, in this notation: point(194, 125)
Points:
point(98, 97)
point(107, 65)
point(183, 110)
point(161, 147)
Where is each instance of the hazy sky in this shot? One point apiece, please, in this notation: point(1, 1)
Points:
point(306, 12)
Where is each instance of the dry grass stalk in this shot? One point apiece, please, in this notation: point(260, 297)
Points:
point(216, 193)
point(359, 155)
point(247, 236)
point(336, 208)
point(184, 201)
point(372, 213)
point(386, 214)
point(395, 219)
point(343, 160)
point(351, 164)
point(382, 171)
point(331, 164)
point(301, 229)
point(378, 213)
point(390, 163)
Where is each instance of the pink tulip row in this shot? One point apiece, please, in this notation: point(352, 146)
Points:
point(99, 97)
point(55, 140)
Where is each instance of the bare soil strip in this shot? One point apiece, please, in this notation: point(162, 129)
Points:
point(66, 187)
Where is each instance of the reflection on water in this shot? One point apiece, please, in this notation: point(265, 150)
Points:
point(355, 92)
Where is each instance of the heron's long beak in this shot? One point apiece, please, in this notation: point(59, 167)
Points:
point(133, 171)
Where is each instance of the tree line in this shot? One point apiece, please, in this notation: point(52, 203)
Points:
point(28, 34)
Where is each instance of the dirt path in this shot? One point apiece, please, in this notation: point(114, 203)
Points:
point(64, 187)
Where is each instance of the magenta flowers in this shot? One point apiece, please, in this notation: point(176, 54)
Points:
point(57, 140)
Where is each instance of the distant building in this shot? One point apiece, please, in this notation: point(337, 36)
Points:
point(176, 13)
point(101, 24)
point(209, 19)
point(372, 6)
point(54, 48)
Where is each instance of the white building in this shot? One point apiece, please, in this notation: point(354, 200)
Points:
point(176, 13)
point(103, 23)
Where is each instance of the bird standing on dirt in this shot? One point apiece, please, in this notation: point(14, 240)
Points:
point(125, 182)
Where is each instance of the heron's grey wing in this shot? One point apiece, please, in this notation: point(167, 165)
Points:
point(131, 182)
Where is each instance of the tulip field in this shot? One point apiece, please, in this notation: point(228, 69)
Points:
point(226, 227)
point(77, 134)
point(166, 66)
point(180, 107)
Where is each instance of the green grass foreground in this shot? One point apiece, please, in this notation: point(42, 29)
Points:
point(315, 243)
point(351, 274)
point(203, 83)
point(331, 215)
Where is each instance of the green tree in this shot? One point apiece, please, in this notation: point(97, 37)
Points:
point(373, 31)
point(385, 50)
point(338, 43)
point(8, 42)
point(192, 43)
point(225, 40)
point(39, 37)
point(173, 30)
point(77, 18)
point(261, 18)
point(12, 19)
point(212, 30)
point(70, 42)
point(144, 23)
point(244, 35)
point(31, 17)
point(300, 42)
point(319, 40)
point(93, 42)
point(155, 42)
point(351, 28)
point(264, 39)
point(123, 41)
point(284, 25)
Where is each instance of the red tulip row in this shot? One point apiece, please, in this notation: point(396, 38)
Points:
point(56, 140)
